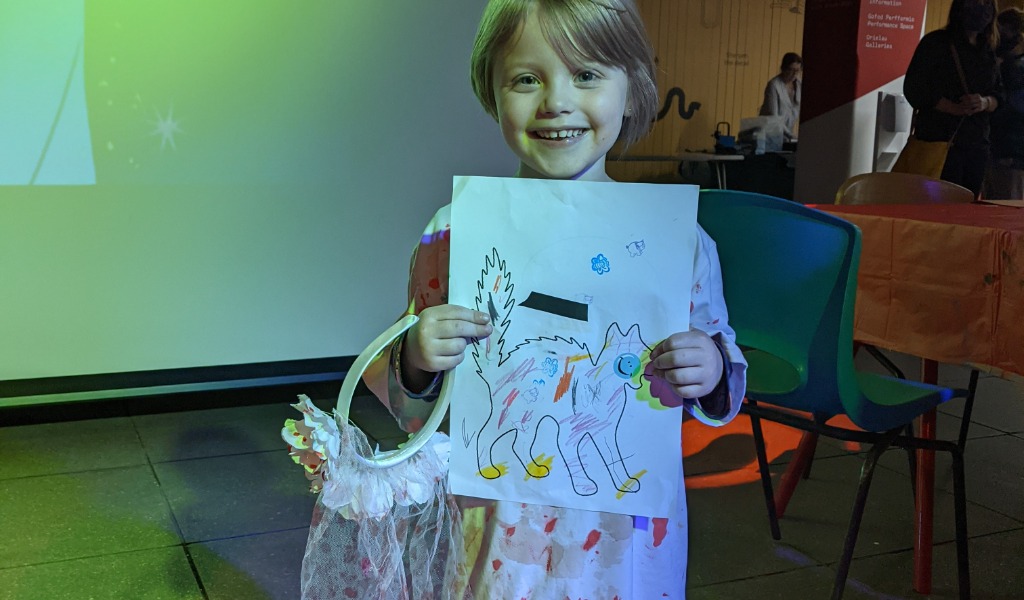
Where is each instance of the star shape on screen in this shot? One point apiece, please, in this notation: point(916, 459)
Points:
point(166, 127)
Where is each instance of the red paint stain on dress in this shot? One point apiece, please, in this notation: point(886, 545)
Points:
point(496, 564)
point(350, 593)
point(592, 539)
point(660, 530)
point(434, 283)
point(550, 526)
point(510, 531)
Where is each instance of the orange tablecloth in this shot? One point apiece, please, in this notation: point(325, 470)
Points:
point(943, 282)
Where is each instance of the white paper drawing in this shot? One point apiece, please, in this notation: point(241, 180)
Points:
point(581, 281)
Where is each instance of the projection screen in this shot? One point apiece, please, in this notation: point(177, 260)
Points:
point(189, 184)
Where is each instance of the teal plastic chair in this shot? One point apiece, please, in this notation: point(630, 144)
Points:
point(790, 282)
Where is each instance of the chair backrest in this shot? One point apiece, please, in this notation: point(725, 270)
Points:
point(900, 188)
point(790, 279)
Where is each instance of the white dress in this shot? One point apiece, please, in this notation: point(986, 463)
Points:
point(515, 550)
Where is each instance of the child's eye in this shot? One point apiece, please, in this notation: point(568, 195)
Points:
point(587, 77)
point(525, 81)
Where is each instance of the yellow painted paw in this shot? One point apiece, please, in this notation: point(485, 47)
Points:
point(537, 471)
point(493, 472)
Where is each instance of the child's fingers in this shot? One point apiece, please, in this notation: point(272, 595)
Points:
point(454, 312)
point(457, 329)
point(688, 382)
point(675, 359)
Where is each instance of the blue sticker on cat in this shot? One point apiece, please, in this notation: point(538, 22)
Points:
point(627, 365)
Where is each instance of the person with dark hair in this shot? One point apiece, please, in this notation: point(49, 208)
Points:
point(1005, 176)
point(782, 94)
point(953, 83)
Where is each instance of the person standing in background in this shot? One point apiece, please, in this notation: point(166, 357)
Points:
point(1005, 176)
point(953, 83)
point(782, 94)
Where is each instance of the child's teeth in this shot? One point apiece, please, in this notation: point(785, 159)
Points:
point(564, 133)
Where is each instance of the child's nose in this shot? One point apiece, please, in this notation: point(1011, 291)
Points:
point(557, 100)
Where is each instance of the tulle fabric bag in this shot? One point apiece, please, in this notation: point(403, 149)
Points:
point(385, 525)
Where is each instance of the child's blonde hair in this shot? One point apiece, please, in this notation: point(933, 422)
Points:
point(609, 32)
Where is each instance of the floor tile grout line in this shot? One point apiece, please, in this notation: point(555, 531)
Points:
point(82, 472)
point(87, 557)
point(246, 535)
point(816, 565)
point(195, 572)
point(283, 450)
point(830, 565)
point(167, 501)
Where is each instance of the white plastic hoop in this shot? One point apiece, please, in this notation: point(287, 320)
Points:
point(383, 460)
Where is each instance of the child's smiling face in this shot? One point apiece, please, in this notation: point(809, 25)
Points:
point(560, 120)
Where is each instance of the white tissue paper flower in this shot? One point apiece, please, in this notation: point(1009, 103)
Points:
point(333, 452)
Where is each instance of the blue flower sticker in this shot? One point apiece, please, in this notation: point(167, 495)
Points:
point(550, 367)
point(600, 264)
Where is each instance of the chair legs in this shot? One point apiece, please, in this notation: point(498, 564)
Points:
point(884, 361)
point(866, 473)
point(800, 464)
point(965, 423)
point(766, 478)
point(911, 458)
point(963, 566)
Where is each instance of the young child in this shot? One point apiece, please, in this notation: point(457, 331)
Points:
point(565, 79)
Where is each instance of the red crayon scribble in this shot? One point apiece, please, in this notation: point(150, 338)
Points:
point(550, 553)
point(496, 564)
point(563, 381)
point(508, 403)
point(592, 539)
point(550, 526)
point(660, 530)
point(497, 282)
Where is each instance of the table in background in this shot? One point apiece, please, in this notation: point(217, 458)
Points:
point(945, 283)
point(716, 160)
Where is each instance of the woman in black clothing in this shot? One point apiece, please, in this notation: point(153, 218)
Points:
point(1005, 176)
point(954, 108)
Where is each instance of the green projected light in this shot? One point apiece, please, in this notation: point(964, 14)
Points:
point(173, 91)
point(195, 183)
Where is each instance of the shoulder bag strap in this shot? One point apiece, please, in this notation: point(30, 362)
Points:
point(963, 82)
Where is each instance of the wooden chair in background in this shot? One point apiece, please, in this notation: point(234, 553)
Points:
point(900, 188)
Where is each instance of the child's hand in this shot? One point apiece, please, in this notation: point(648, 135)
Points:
point(690, 362)
point(437, 342)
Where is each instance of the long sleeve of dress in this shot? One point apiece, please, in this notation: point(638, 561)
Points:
point(709, 314)
point(428, 286)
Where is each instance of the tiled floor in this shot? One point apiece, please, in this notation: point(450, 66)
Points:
point(136, 500)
